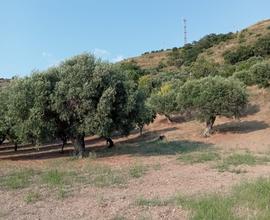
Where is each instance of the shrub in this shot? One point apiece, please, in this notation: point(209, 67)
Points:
point(240, 54)
point(262, 46)
point(261, 74)
point(203, 68)
point(244, 76)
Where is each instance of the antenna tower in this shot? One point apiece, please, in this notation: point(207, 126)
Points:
point(185, 31)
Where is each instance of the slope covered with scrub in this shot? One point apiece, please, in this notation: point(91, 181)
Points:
point(212, 47)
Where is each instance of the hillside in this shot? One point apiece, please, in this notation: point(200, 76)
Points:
point(244, 37)
point(3, 81)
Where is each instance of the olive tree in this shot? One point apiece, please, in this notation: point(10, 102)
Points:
point(163, 101)
point(82, 96)
point(210, 97)
point(28, 109)
point(3, 120)
point(94, 98)
point(144, 113)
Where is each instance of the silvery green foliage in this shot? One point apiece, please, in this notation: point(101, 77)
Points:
point(82, 96)
point(213, 96)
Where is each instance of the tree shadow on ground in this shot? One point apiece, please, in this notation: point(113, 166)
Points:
point(241, 127)
point(145, 145)
point(9, 146)
point(251, 109)
point(147, 136)
point(154, 148)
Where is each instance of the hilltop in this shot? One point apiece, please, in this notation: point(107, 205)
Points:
point(247, 37)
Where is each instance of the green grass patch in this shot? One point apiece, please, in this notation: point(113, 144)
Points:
point(104, 176)
point(17, 180)
point(137, 170)
point(248, 200)
point(152, 148)
point(32, 197)
point(210, 207)
point(199, 157)
point(53, 177)
point(255, 196)
point(229, 163)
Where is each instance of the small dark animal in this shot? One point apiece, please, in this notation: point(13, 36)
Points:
point(161, 137)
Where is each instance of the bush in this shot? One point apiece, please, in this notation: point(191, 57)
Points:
point(226, 70)
point(240, 54)
point(203, 68)
point(245, 65)
point(261, 74)
point(262, 46)
point(244, 76)
point(189, 53)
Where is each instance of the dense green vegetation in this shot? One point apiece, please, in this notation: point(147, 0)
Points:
point(260, 48)
point(82, 96)
point(189, 53)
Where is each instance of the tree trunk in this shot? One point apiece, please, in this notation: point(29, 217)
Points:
point(64, 142)
point(209, 126)
point(109, 141)
point(79, 145)
point(15, 147)
point(2, 139)
point(141, 130)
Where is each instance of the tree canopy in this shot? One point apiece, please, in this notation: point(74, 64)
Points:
point(82, 96)
point(210, 97)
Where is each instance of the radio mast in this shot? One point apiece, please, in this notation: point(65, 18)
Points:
point(185, 30)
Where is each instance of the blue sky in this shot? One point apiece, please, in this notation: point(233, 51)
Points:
point(36, 34)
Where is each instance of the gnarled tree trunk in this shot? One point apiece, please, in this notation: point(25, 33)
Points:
point(2, 139)
point(79, 145)
point(209, 126)
point(141, 129)
point(64, 142)
point(109, 141)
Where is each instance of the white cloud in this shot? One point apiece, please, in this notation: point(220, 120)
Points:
point(101, 53)
point(118, 59)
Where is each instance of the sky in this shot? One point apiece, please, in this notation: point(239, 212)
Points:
point(37, 34)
